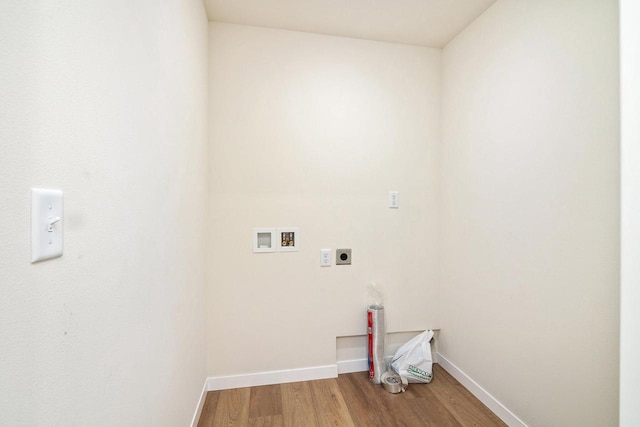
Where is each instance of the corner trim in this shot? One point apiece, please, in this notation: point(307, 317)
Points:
point(271, 377)
point(491, 402)
point(199, 406)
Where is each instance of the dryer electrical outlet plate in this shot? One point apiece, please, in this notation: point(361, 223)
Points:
point(343, 256)
point(46, 224)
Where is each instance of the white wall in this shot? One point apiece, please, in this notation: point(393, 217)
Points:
point(630, 271)
point(313, 131)
point(105, 100)
point(530, 208)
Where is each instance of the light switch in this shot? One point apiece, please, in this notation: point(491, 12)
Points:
point(46, 224)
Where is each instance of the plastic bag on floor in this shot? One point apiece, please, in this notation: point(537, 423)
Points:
point(413, 360)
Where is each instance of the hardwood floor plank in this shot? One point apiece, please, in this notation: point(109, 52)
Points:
point(297, 405)
point(429, 409)
point(459, 401)
point(365, 403)
point(266, 421)
point(425, 413)
point(331, 408)
point(414, 409)
point(266, 401)
point(209, 409)
point(233, 408)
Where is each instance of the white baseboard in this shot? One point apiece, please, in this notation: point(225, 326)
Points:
point(203, 397)
point(483, 396)
point(357, 365)
point(272, 377)
point(349, 366)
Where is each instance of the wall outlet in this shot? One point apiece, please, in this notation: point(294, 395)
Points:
point(394, 199)
point(325, 257)
point(343, 256)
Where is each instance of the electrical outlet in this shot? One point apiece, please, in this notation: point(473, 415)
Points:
point(343, 256)
point(394, 199)
point(325, 257)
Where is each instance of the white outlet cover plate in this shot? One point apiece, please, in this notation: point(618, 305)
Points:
point(46, 206)
point(394, 199)
point(325, 257)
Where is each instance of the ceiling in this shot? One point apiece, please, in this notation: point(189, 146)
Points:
point(421, 22)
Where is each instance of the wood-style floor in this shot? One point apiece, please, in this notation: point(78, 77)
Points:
point(349, 400)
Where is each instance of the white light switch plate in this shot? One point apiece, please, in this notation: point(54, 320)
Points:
point(46, 224)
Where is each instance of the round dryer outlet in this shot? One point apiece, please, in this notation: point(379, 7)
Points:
point(343, 256)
